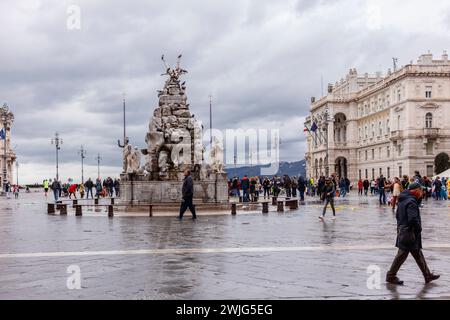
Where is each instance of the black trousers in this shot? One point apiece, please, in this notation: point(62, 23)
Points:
point(185, 204)
point(400, 258)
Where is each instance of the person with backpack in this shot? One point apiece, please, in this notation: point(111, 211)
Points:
point(409, 234)
point(329, 192)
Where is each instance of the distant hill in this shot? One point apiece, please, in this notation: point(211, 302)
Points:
point(289, 168)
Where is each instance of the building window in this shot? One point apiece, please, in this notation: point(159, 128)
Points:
point(429, 147)
point(381, 172)
point(399, 95)
point(373, 154)
point(367, 173)
point(389, 172)
point(366, 155)
point(373, 173)
point(430, 170)
point(388, 152)
point(400, 173)
point(360, 174)
point(379, 153)
point(380, 128)
point(388, 128)
point(429, 120)
point(428, 91)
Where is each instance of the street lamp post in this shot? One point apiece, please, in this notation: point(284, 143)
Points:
point(17, 173)
point(6, 117)
point(125, 139)
point(57, 141)
point(210, 119)
point(82, 153)
point(98, 158)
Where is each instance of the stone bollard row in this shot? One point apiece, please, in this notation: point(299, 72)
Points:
point(265, 207)
point(78, 211)
point(274, 201)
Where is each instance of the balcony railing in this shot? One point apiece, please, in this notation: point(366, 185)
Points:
point(431, 132)
point(396, 135)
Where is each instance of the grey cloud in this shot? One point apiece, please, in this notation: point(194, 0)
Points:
point(261, 61)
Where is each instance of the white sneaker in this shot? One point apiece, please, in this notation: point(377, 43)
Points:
point(333, 218)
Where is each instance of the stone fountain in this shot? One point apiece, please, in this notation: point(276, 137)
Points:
point(174, 143)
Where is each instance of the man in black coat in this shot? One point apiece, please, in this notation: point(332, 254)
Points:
point(187, 194)
point(409, 234)
point(302, 188)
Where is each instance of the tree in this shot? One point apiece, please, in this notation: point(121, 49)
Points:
point(441, 162)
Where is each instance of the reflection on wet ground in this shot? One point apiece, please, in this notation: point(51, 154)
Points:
point(248, 256)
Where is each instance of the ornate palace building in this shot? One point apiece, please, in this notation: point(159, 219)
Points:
point(390, 125)
point(6, 117)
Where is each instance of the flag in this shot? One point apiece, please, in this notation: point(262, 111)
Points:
point(2, 134)
point(314, 127)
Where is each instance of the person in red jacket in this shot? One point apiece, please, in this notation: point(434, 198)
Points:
point(360, 187)
point(72, 190)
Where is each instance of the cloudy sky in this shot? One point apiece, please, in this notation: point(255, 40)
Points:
point(261, 61)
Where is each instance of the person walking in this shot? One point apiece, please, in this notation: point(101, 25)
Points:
point(437, 184)
point(342, 188)
point(16, 191)
point(294, 186)
point(301, 188)
point(329, 192)
point(360, 187)
point(409, 234)
point(366, 186)
point(381, 183)
point(98, 188)
point(56, 188)
point(117, 187)
point(73, 191)
point(46, 186)
point(187, 192)
point(82, 190)
point(245, 185)
point(89, 185)
point(266, 187)
point(396, 191)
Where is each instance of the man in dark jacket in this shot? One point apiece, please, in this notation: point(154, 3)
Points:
point(187, 194)
point(89, 185)
point(302, 188)
point(409, 223)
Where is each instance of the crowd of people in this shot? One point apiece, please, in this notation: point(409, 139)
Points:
point(250, 189)
point(107, 188)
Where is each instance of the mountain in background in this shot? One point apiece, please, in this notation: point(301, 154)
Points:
point(290, 168)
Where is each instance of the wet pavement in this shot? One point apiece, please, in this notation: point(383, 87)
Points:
point(248, 256)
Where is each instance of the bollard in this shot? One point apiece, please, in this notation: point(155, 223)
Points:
point(112, 200)
point(96, 201)
point(293, 204)
point(63, 209)
point(75, 202)
point(265, 207)
point(78, 211)
point(150, 213)
point(280, 206)
point(274, 201)
point(233, 209)
point(58, 206)
point(50, 208)
point(110, 211)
